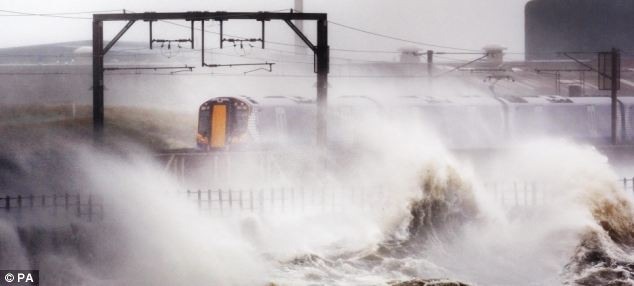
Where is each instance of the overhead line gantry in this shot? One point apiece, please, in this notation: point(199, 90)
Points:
point(320, 50)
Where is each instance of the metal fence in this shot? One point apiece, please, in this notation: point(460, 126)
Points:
point(287, 199)
point(527, 194)
point(293, 199)
point(86, 206)
point(517, 194)
point(628, 184)
point(271, 200)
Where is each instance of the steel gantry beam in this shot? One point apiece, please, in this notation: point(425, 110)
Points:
point(321, 50)
point(205, 15)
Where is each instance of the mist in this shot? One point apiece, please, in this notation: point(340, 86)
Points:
point(472, 167)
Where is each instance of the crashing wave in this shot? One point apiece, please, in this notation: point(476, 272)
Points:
point(447, 202)
point(605, 255)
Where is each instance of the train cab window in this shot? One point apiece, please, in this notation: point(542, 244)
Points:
point(204, 121)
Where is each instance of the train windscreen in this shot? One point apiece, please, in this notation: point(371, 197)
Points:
point(204, 122)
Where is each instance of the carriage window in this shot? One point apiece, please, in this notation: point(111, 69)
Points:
point(280, 119)
point(203, 121)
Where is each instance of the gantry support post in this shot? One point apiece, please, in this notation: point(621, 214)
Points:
point(614, 75)
point(323, 59)
point(97, 79)
point(615, 65)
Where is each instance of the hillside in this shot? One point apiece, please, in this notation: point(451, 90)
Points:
point(151, 128)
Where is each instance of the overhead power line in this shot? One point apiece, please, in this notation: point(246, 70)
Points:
point(462, 65)
point(66, 15)
point(57, 15)
point(401, 39)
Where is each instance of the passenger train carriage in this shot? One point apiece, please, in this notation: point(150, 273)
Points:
point(241, 122)
point(462, 122)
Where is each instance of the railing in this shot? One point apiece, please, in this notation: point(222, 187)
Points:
point(85, 206)
point(628, 184)
point(509, 195)
point(285, 199)
point(271, 200)
point(522, 194)
point(517, 194)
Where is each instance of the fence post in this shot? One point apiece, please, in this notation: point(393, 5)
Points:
point(502, 199)
point(251, 199)
point(323, 199)
point(351, 195)
point(293, 205)
point(282, 198)
point(525, 195)
point(66, 201)
point(19, 206)
point(302, 194)
point(31, 200)
point(333, 193)
point(534, 194)
point(515, 193)
point(240, 198)
point(78, 201)
point(230, 200)
point(200, 200)
point(89, 207)
point(220, 200)
point(7, 203)
point(625, 184)
point(209, 199)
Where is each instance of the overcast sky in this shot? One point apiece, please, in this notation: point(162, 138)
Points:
point(469, 24)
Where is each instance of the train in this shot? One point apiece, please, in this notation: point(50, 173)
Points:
point(462, 122)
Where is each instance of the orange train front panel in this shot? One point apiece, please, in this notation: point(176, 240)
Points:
point(218, 126)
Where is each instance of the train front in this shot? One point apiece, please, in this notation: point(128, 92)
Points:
point(223, 122)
